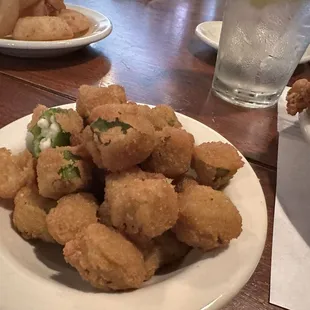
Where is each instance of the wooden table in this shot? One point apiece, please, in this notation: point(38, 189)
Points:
point(153, 52)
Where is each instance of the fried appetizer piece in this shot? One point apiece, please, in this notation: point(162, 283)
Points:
point(29, 215)
point(105, 259)
point(77, 21)
point(161, 251)
point(37, 9)
point(9, 12)
point(90, 97)
point(161, 116)
point(216, 163)
point(16, 172)
point(55, 6)
point(62, 171)
point(23, 4)
point(145, 207)
point(52, 127)
point(117, 143)
point(298, 97)
point(42, 28)
point(72, 214)
point(184, 182)
point(172, 154)
point(208, 219)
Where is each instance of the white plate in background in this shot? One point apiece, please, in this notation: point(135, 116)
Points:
point(210, 33)
point(304, 120)
point(100, 28)
point(35, 276)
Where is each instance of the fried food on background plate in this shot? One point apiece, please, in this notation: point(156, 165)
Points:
point(184, 182)
point(208, 219)
point(23, 4)
point(55, 6)
point(105, 259)
point(72, 214)
point(62, 171)
point(145, 207)
point(37, 9)
point(77, 21)
point(90, 97)
point(118, 143)
point(215, 163)
point(298, 97)
point(42, 28)
point(172, 154)
point(16, 172)
point(29, 215)
point(9, 12)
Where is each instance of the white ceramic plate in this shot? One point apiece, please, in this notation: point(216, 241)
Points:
point(210, 33)
point(35, 277)
point(100, 28)
point(304, 120)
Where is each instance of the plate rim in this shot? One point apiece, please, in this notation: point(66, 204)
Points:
point(63, 44)
point(215, 44)
point(234, 290)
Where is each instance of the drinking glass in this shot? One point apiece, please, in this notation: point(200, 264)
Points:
point(261, 44)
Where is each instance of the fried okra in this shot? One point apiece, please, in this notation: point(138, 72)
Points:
point(105, 259)
point(208, 219)
point(161, 116)
point(90, 97)
point(172, 153)
point(162, 251)
point(216, 163)
point(117, 142)
point(62, 171)
point(51, 128)
point(72, 214)
point(136, 206)
point(16, 172)
point(29, 215)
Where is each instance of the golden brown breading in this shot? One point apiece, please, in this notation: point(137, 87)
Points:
point(29, 215)
point(208, 219)
point(298, 97)
point(182, 183)
point(72, 214)
point(70, 121)
point(62, 171)
point(147, 207)
point(41, 28)
point(161, 251)
point(161, 116)
point(9, 12)
point(106, 259)
point(23, 4)
point(216, 163)
point(76, 20)
point(117, 144)
point(36, 114)
point(172, 154)
point(16, 172)
point(90, 97)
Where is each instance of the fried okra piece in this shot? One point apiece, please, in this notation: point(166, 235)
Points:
point(208, 219)
point(172, 154)
point(161, 251)
point(62, 171)
point(16, 172)
point(298, 97)
point(161, 116)
point(145, 207)
point(72, 214)
point(119, 141)
point(29, 215)
point(51, 128)
point(216, 163)
point(105, 259)
point(184, 182)
point(90, 97)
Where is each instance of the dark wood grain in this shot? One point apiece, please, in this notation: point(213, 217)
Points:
point(154, 53)
point(18, 98)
